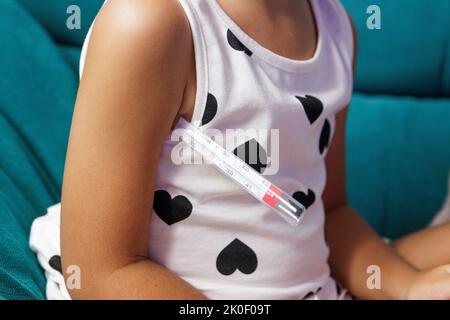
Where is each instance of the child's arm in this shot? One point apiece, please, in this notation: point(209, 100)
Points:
point(354, 246)
point(139, 58)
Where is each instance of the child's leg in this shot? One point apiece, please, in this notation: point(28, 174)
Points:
point(427, 248)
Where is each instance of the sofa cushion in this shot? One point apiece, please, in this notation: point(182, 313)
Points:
point(72, 55)
point(25, 192)
point(398, 160)
point(37, 93)
point(410, 54)
point(37, 86)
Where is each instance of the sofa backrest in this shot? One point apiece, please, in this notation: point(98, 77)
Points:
point(410, 54)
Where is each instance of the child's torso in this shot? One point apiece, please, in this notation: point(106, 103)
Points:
point(209, 230)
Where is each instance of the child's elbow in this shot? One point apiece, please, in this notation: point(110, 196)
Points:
point(83, 280)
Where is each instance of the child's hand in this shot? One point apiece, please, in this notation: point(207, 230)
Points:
point(431, 285)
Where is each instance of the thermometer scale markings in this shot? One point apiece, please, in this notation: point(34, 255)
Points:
point(242, 173)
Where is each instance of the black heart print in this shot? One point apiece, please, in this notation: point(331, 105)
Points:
point(236, 44)
point(171, 210)
point(306, 200)
point(210, 109)
point(313, 107)
point(237, 255)
point(338, 288)
point(311, 294)
point(55, 263)
point(253, 154)
point(325, 136)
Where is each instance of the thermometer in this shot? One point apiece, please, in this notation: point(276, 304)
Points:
point(239, 171)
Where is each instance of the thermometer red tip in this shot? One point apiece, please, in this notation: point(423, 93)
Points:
point(270, 198)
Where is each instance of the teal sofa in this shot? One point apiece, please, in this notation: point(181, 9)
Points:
point(398, 131)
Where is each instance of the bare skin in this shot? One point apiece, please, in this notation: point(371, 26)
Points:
point(135, 86)
point(427, 248)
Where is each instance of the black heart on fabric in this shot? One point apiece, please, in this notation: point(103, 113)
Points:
point(324, 137)
point(338, 288)
point(253, 154)
point(171, 210)
point(236, 44)
point(311, 294)
point(55, 263)
point(313, 107)
point(236, 256)
point(210, 109)
point(306, 200)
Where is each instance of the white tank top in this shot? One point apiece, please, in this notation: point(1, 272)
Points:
point(210, 231)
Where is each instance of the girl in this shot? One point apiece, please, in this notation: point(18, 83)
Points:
point(140, 226)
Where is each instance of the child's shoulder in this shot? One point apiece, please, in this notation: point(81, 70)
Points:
point(145, 21)
point(137, 44)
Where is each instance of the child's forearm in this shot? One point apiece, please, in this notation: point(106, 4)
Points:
point(354, 246)
point(142, 280)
